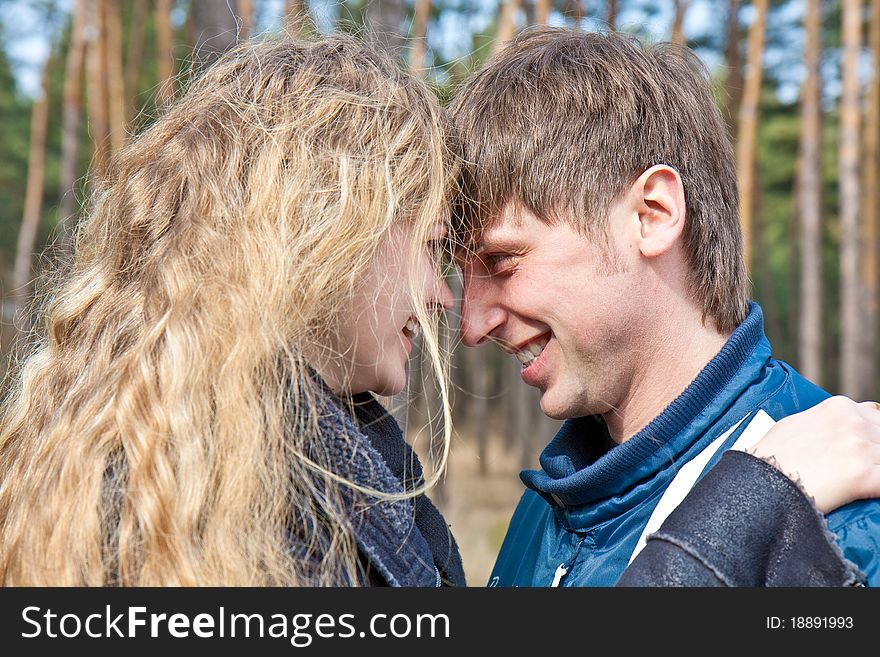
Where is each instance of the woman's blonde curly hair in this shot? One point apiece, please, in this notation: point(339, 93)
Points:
point(149, 437)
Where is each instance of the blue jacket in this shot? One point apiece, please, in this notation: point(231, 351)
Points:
point(587, 512)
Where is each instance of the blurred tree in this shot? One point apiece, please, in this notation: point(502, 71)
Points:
point(809, 200)
point(385, 20)
point(298, 17)
point(575, 9)
point(480, 365)
point(506, 25)
point(116, 103)
point(70, 129)
point(246, 15)
point(677, 31)
point(298, 12)
point(134, 55)
point(733, 78)
point(542, 11)
point(15, 112)
point(870, 224)
point(771, 211)
point(748, 123)
point(213, 29)
point(99, 122)
point(848, 167)
point(165, 52)
point(419, 36)
point(33, 204)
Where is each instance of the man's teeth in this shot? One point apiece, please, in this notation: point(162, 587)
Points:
point(531, 351)
point(413, 327)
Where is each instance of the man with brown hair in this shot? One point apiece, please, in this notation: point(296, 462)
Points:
point(599, 204)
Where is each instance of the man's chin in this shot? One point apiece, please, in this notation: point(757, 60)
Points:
point(553, 409)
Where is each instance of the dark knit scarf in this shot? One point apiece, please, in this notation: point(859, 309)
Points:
point(407, 541)
point(386, 437)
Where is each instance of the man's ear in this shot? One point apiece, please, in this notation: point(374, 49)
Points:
point(661, 208)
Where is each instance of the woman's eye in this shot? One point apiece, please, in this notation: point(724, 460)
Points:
point(439, 251)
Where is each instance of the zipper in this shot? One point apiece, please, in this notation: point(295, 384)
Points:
point(563, 568)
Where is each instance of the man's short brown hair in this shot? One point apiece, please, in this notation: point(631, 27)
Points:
point(564, 121)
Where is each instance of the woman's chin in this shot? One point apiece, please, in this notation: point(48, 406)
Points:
point(390, 386)
point(390, 391)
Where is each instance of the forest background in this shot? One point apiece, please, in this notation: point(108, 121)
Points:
point(797, 80)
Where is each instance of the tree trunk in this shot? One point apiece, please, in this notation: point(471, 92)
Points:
point(33, 206)
point(115, 77)
point(762, 272)
point(473, 387)
point(419, 34)
point(214, 30)
point(681, 7)
point(71, 112)
point(734, 78)
point(506, 23)
point(748, 124)
point(507, 384)
point(298, 19)
point(809, 200)
point(870, 269)
point(542, 11)
point(134, 56)
point(165, 59)
point(611, 17)
point(523, 413)
point(575, 8)
point(850, 315)
point(384, 19)
point(99, 125)
point(481, 378)
point(246, 14)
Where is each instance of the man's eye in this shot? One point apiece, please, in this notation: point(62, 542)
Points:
point(499, 263)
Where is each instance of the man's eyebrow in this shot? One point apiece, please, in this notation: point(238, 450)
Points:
point(489, 239)
point(495, 240)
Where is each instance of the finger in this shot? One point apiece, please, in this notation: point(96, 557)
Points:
point(870, 410)
point(869, 481)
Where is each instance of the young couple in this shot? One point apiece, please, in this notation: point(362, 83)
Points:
point(199, 408)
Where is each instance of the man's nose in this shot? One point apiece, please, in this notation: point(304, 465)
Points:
point(480, 315)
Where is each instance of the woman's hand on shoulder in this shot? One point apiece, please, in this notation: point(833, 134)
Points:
point(832, 450)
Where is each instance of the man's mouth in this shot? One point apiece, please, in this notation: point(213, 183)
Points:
point(528, 353)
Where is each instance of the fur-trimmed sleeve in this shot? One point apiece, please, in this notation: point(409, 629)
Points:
point(743, 524)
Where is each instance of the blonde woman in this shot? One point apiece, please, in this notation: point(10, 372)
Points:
point(198, 409)
point(260, 255)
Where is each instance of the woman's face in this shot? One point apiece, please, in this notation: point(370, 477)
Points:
point(377, 328)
